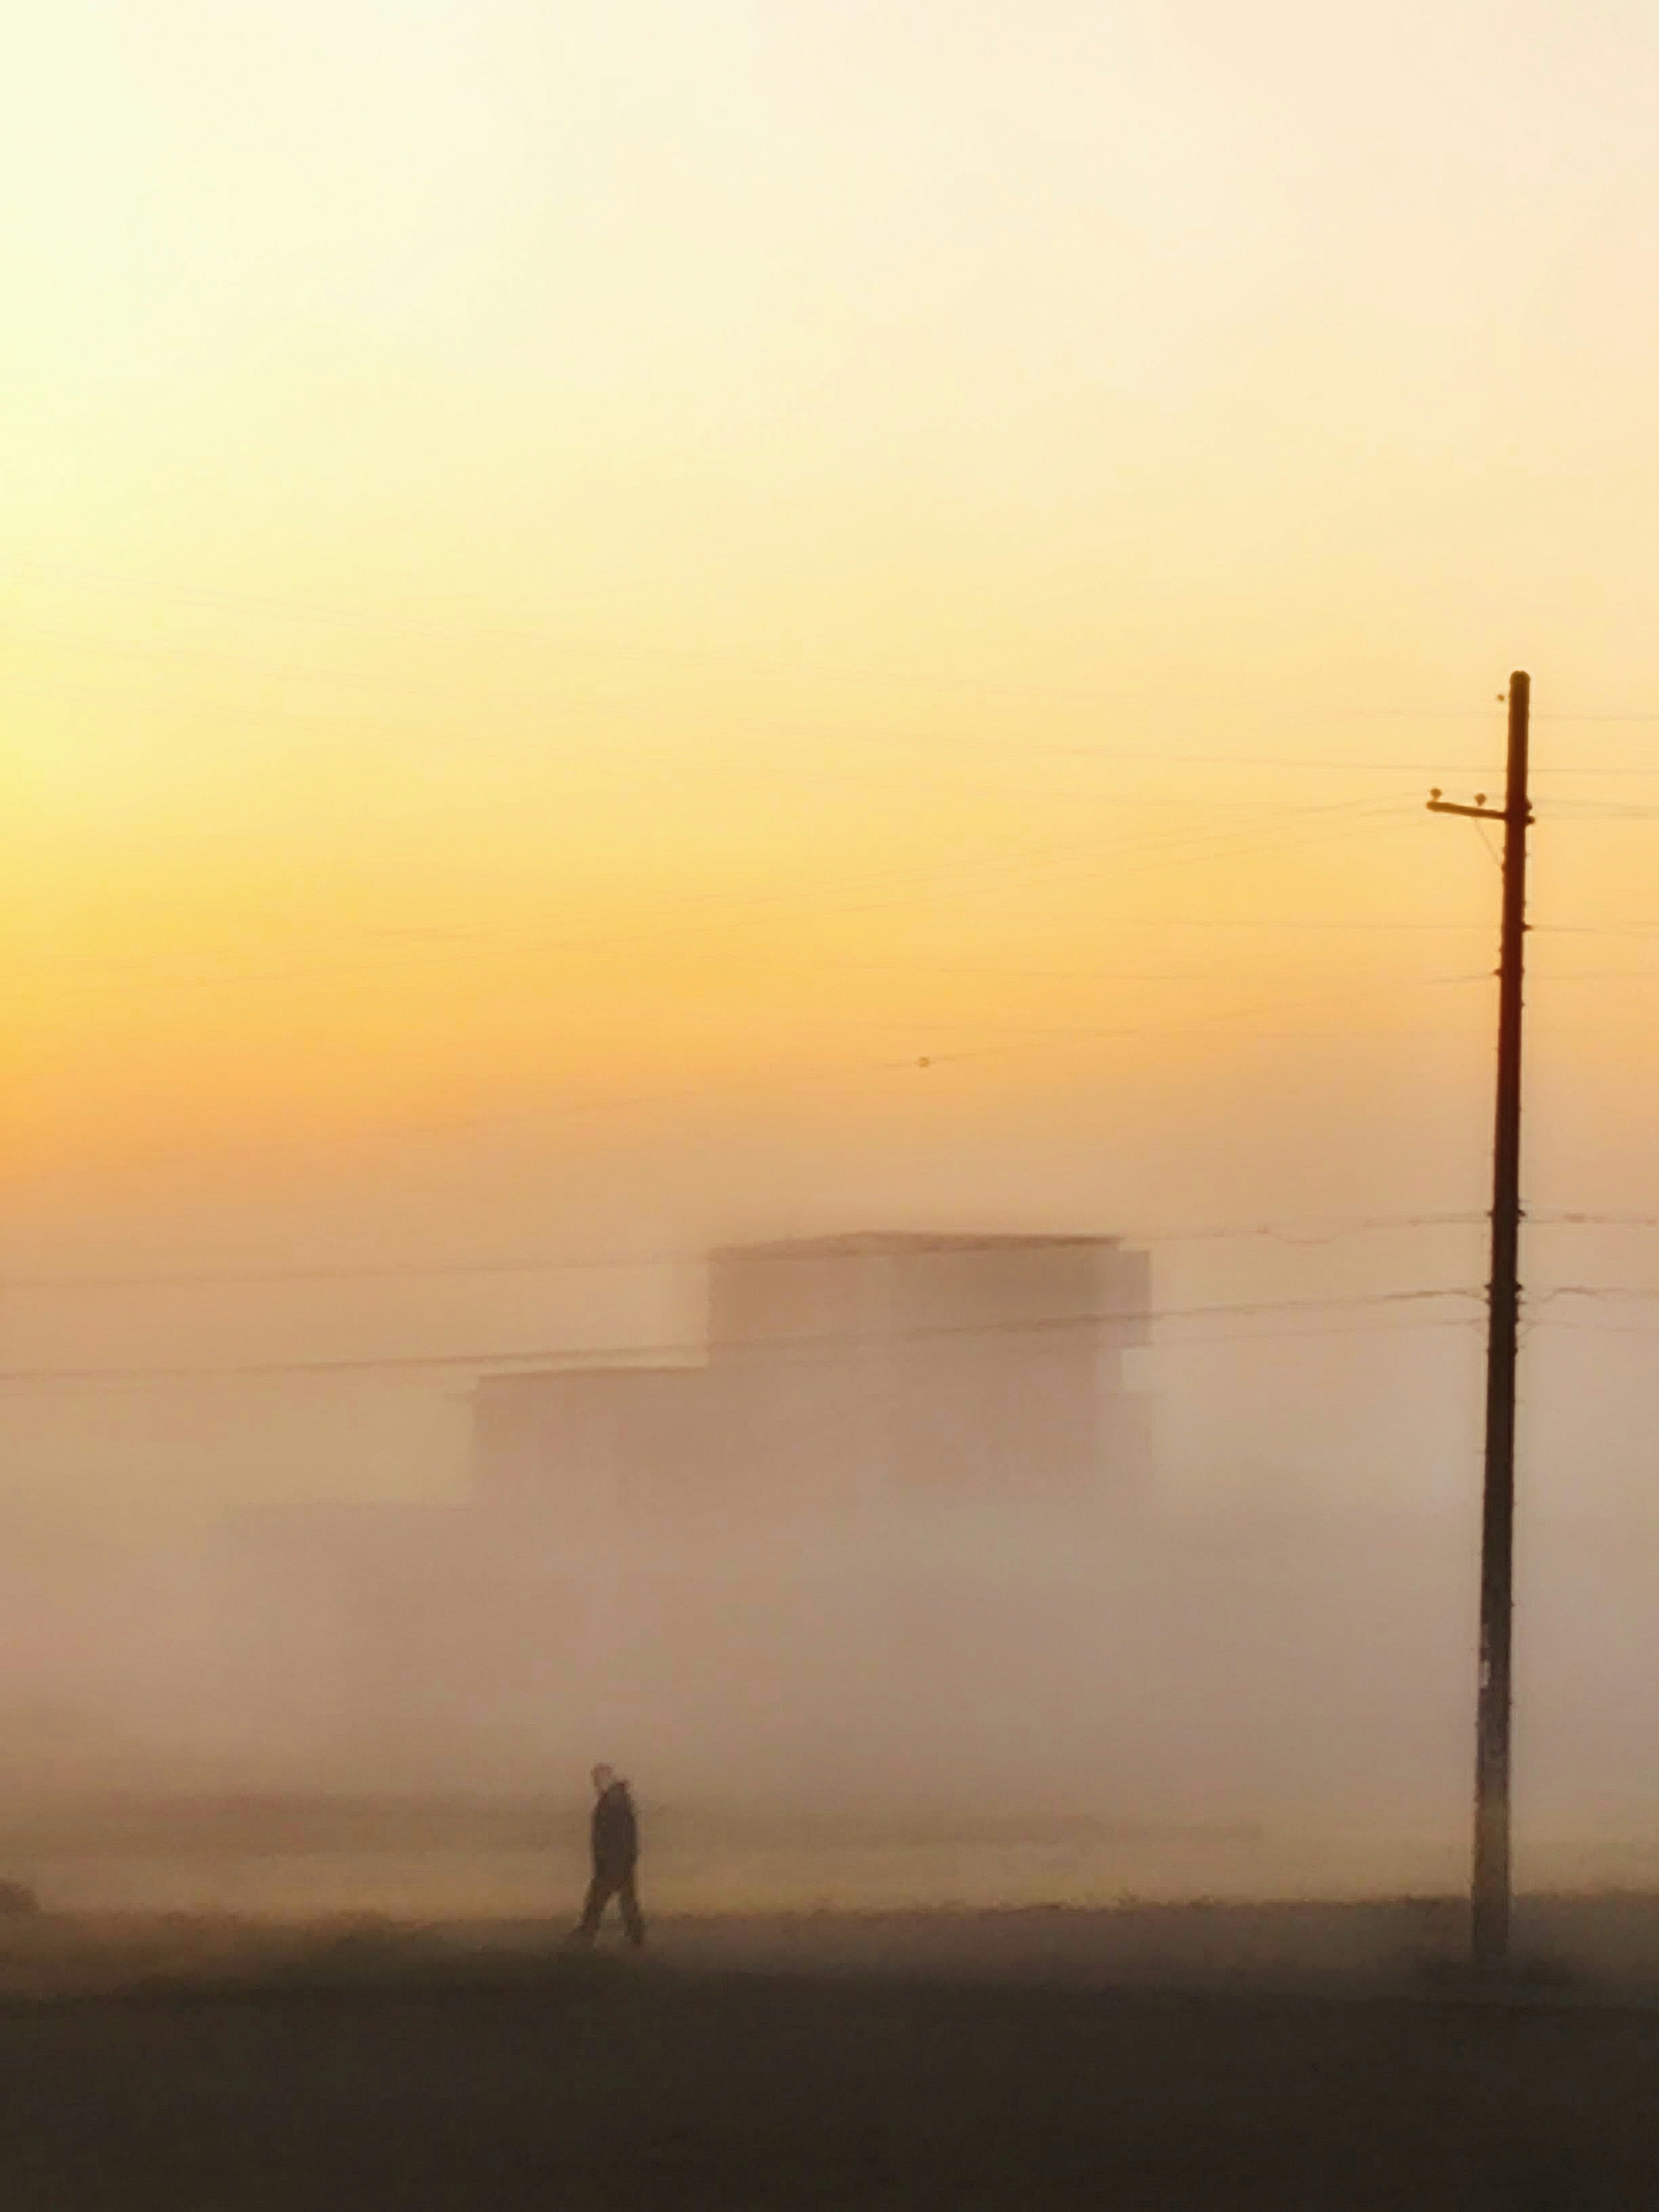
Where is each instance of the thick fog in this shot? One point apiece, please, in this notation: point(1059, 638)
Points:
point(640, 630)
point(257, 1547)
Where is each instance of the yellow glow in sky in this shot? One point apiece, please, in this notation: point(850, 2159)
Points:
point(559, 553)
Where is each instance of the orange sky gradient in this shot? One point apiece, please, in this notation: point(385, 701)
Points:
point(557, 553)
point(586, 588)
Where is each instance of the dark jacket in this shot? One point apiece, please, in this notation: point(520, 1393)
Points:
point(616, 1831)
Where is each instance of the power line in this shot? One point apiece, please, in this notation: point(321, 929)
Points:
point(1464, 1321)
point(909, 1064)
point(689, 1350)
point(1561, 1327)
point(1311, 1234)
point(1182, 1022)
point(971, 872)
point(386, 948)
point(819, 674)
point(1596, 1220)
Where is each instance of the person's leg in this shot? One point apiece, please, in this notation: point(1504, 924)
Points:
point(598, 1896)
point(627, 1897)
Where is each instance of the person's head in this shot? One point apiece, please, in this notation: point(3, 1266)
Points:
point(603, 1778)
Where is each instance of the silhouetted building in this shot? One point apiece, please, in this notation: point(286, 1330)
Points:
point(843, 1374)
point(837, 1543)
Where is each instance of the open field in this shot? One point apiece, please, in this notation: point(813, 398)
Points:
point(1318, 2057)
point(447, 2050)
point(381, 2080)
point(1588, 1951)
point(295, 1857)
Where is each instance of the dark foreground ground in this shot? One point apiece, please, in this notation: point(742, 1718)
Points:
point(491, 2083)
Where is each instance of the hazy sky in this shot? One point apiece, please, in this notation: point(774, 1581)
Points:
point(585, 584)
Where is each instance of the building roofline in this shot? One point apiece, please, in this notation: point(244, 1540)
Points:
point(587, 1371)
point(877, 1242)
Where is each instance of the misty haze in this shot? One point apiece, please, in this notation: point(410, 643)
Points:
point(828, 1210)
point(880, 1561)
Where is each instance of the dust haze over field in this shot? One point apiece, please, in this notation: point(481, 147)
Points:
point(1251, 1676)
point(635, 637)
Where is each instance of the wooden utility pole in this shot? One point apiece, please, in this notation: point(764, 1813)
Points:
point(1491, 1887)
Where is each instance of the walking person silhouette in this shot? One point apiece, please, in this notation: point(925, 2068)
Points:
point(616, 1842)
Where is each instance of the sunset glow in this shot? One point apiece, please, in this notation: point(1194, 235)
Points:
point(559, 556)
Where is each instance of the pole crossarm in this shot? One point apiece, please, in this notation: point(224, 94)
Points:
point(1474, 813)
